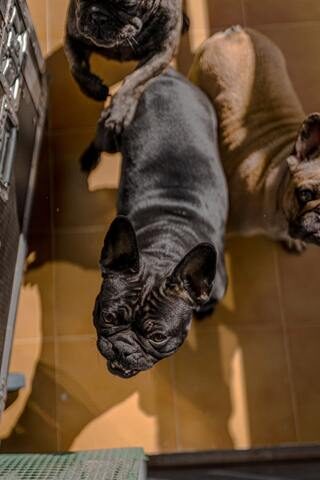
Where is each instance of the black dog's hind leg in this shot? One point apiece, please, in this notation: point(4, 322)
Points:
point(205, 310)
point(90, 158)
point(105, 141)
point(78, 57)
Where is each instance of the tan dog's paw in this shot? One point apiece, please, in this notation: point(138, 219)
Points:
point(120, 114)
point(292, 245)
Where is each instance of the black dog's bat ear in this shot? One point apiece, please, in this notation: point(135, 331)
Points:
point(120, 251)
point(195, 274)
point(308, 142)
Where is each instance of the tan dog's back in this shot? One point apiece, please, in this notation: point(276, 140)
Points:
point(245, 76)
point(225, 68)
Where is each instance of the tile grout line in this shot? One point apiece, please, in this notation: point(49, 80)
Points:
point(54, 296)
point(85, 229)
point(52, 230)
point(175, 409)
point(286, 347)
point(243, 12)
point(73, 230)
point(294, 23)
point(61, 131)
point(53, 250)
point(47, 28)
point(59, 338)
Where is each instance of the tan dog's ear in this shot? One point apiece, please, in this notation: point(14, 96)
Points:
point(293, 163)
point(308, 143)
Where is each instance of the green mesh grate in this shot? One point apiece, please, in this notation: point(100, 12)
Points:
point(94, 465)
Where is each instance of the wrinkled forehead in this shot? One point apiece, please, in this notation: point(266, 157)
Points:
point(156, 298)
point(121, 286)
point(308, 173)
point(106, 3)
point(144, 299)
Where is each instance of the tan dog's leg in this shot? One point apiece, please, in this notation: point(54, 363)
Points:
point(295, 246)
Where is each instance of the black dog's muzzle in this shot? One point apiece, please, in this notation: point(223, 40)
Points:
point(97, 18)
point(124, 354)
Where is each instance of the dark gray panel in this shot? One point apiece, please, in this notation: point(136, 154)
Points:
point(23, 94)
point(283, 471)
point(27, 121)
point(9, 240)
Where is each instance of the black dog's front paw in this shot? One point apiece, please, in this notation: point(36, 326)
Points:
point(91, 85)
point(113, 124)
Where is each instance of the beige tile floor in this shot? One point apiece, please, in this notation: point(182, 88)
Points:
point(248, 375)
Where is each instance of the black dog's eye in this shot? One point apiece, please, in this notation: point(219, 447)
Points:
point(305, 195)
point(127, 5)
point(107, 318)
point(130, 3)
point(158, 338)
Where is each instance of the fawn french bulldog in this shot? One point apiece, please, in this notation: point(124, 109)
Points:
point(269, 149)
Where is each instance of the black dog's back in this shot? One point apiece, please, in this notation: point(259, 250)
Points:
point(172, 179)
point(170, 152)
point(163, 257)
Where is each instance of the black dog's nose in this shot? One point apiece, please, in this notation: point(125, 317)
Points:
point(97, 19)
point(97, 16)
point(136, 23)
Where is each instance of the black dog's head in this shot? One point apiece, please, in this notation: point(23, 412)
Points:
point(142, 317)
point(302, 197)
point(117, 23)
point(111, 23)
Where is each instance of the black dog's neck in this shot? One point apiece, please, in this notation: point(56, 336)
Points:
point(164, 242)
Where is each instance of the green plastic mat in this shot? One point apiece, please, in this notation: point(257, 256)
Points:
point(94, 465)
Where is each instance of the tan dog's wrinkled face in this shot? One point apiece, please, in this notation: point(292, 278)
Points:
point(302, 197)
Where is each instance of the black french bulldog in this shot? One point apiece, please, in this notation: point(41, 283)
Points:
point(147, 31)
point(163, 257)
